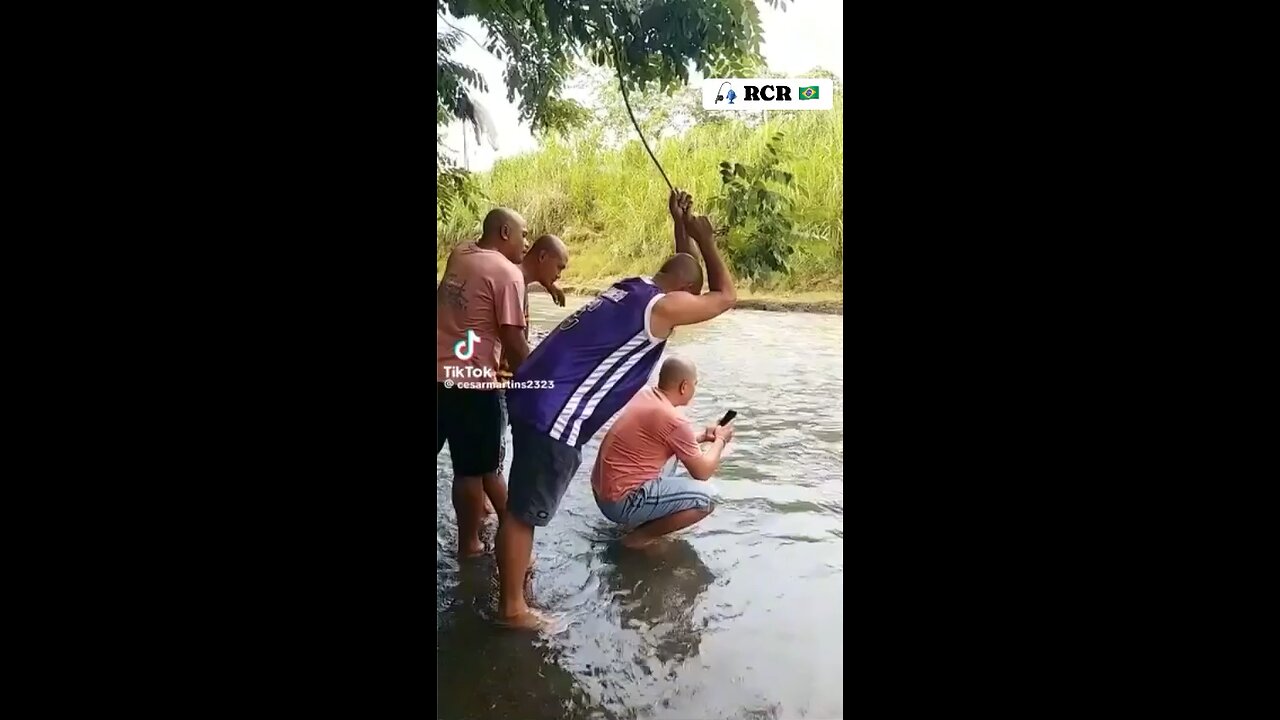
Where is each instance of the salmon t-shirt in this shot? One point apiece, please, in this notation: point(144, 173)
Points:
point(644, 437)
point(481, 291)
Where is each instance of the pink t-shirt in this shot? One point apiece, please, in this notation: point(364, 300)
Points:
point(481, 290)
point(643, 438)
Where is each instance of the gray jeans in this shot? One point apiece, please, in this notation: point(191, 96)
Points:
point(658, 499)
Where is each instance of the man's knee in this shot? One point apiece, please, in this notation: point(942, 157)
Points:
point(527, 511)
point(697, 513)
point(703, 512)
point(708, 506)
point(513, 522)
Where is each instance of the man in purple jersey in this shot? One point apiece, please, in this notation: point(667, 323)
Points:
point(582, 374)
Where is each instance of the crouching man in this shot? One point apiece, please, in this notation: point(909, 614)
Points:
point(627, 480)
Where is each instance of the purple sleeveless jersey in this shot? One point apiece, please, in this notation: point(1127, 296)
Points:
point(599, 357)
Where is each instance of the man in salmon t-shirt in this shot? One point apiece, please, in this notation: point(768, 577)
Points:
point(543, 262)
point(627, 480)
point(479, 317)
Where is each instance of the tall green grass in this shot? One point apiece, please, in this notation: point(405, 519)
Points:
point(610, 205)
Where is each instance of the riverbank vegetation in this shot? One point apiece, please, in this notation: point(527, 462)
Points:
point(774, 187)
point(771, 182)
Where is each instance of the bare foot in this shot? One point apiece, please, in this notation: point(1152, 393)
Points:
point(488, 508)
point(469, 551)
point(530, 619)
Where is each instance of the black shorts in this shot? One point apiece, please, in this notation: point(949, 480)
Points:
point(541, 470)
point(472, 422)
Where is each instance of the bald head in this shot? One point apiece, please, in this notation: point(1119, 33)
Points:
point(681, 272)
point(504, 230)
point(499, 217)
point(546, 259)
point(551, 245)
point(674, 371)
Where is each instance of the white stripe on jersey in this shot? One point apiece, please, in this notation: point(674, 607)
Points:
point(605, 388)
point(558, 429)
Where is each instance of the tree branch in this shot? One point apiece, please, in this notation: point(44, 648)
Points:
point(464, 32)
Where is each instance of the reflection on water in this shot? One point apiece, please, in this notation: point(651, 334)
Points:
point(740, 616)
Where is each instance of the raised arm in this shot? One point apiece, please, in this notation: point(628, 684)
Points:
point(718, 278)
point(678, 204)
point(682, 308)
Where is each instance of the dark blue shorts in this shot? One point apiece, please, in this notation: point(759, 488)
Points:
point(541, 470)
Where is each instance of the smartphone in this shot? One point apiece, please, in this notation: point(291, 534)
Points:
point(728, 417)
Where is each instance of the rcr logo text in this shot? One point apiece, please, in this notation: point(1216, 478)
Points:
point(766, 92)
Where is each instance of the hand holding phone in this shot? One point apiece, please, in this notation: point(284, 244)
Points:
point(713, 431)
point(721, 431)
point(724, 433)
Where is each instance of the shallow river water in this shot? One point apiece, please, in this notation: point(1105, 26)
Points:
point(741, 616)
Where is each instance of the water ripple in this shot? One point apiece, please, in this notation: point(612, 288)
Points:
point(741, 617)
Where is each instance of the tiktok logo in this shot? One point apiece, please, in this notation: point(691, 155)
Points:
point(470, 343)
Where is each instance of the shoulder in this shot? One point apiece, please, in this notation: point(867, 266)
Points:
point(677, 425)
point(498, 269)
point(673, 416)
point(644, 285)
point(675, 298)
point(506, 277)
point(641, 397)
point(461, 257)
point(644, 401)
point(637, 285)
point(661, 413)
point(512, 274)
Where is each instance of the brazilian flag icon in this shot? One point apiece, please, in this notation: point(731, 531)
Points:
point(809, 92)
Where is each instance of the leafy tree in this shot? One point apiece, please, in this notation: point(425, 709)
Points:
point(647, 42)
point(453, 185)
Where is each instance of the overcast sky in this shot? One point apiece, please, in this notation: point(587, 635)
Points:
point(809, 34)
